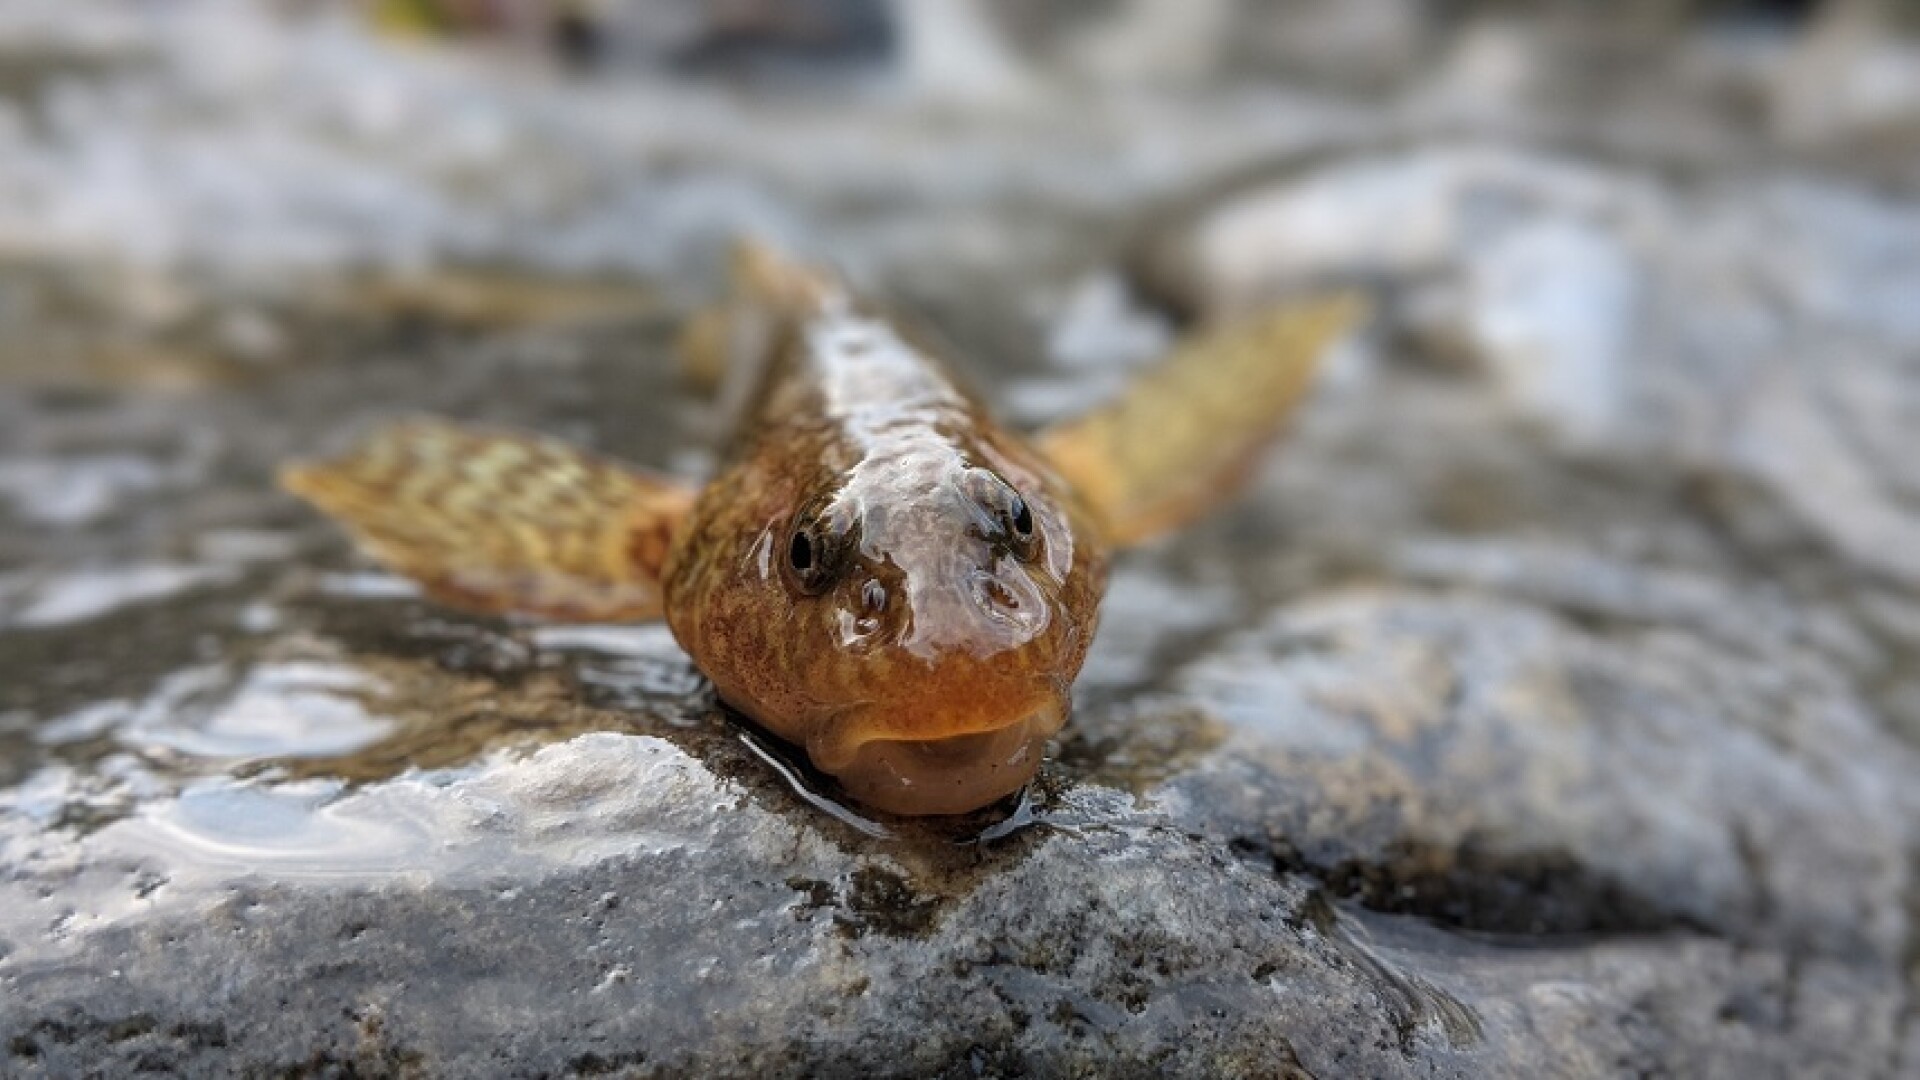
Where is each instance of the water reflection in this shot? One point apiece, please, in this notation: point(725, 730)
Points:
point(436, 719)
point(503, 817)
point(1413, 1001)
point(301, 708)
point(297, 708)
point(285, 830)
point(58, 600)
point(628, 667)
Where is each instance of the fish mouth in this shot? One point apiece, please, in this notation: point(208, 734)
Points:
point(956, 774)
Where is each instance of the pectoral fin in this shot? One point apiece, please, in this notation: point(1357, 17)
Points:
point(495, 522)
point(1185, 436)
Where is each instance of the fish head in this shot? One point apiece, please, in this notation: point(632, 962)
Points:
point(915, 621)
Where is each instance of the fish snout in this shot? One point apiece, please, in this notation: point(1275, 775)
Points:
point(973, 609)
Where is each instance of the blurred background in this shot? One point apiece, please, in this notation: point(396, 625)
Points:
point(1578, 611)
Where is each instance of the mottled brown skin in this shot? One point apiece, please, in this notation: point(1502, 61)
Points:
point(924, 651)
point(879, 574)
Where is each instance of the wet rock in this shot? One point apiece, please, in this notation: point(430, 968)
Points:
point(1546, 708)
point(1397, 217)
point(1852, 85)
point(688, 923)
point(1450, 754)
point(1619, 313)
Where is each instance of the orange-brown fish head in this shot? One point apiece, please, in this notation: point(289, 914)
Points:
point(915, 621)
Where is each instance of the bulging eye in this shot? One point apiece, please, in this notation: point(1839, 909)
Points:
point(1009, 514)
point(1021, 537)
point(1020, 519)
point(816, 550)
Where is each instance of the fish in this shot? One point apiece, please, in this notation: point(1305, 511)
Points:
point(878, 573)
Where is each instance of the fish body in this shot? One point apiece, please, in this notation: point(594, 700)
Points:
point(881, 574)
point(878, 573)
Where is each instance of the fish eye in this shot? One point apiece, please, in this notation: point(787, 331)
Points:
point(1026, 542)
point(1022, 518)
point(815, 550)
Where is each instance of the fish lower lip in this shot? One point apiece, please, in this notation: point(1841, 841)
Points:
point(952, 775)
point(962, 748)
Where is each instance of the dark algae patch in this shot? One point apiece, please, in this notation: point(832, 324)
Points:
point(884, 902)
point(1473, 890)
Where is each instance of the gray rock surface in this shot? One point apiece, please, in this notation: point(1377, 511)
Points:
point(1546, 709)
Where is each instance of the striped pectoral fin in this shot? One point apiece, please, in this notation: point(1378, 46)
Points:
point(1186, 434)
point(495, 522)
